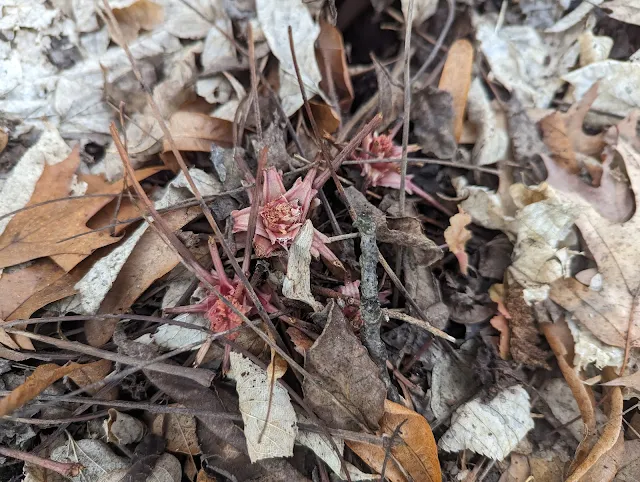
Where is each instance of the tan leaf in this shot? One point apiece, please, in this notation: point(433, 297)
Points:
point(301, 342)
point(456, 79)
point(179, 431)
point(418, 455)
point(92, 373)
point(518, 471)
point(500, 323)
point(41, 378)
point(195, 132)
point(456, 237)
point(563, 134)
point(332, 62)
point(43, 230)
point(606, 313)
point(328, 119)
point(150, 259)
point(140, 15)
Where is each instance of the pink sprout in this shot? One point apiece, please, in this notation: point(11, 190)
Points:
point(281, 215)
point(387, 174)
point(221, 317)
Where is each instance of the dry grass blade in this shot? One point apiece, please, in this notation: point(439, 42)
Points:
point(42, 377)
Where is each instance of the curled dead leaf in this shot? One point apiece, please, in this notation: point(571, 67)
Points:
point(332, 61)
point(456, 79)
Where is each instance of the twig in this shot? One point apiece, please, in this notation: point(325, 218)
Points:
point(369, 303)
point(199, 375)
point(66, 469)
point(417, 160)
point(389, 441)
point(342, 237)
point(415, 321)
point(254, 81)
point(436, 48)
point(406, 114)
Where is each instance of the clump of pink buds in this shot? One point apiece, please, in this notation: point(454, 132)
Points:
point(386, 173)
point(280, 216)
point(221, 317)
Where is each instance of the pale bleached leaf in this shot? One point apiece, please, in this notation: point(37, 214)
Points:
point(491, 429)
point(96, 456)
point(253, 393)
point(275, 16)
point(297, 283)
point(422, 10)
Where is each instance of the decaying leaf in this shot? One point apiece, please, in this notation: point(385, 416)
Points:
point(122, 428)
point(332, 61)
point(179, 431)
point(418, 455)
point(390, 94)
point(456, 79)
point(524, 60)
point(297, 282)
point(275, 16)
point(351, 394)
point(96, 456)
point(492, 429)
point(492, 140)
point(92, 373)
point(138, 15)
point(565, 138)
point(322, 448)
point(433, 116)
point(38, 381)
point(606, 312)
point(192, 131)
point(42, 231)
point(616, 79)
point(301, 342)
point(270, 424)
point(627, 11)
point(456, 237)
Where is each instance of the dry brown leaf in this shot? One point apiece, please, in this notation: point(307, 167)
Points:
point(456, 79)
point(456, 237)
point(192, 131)
point(94, 372)
point(328, 120)
point(41, 378)
point(179, 431)
point(433, 116)
point(140, 15)
point(518, 471)
point(607, 313)
point(150, 259)
point(418, 455)
point(20, 284)
point(301, 342)
point(562, 133)
point(337, 358)
point(607, 466)
point(4, 139)
point(39, 232)
point(332, 62)
point(390, 94)
point(204, 477)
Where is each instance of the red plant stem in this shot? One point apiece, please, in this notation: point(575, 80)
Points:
point(67, 469)
point(427, 197)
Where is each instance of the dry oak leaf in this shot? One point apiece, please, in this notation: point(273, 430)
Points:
point(44, 230)
point(606, 313)
point(139, 15)
point(562, 133)
point(351, 395)
point(41, 378)
point(179, 430)
point(456, 237)
point(417, 454)
point(193, 131)
point(332, 62)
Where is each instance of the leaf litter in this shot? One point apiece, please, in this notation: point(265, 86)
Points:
point(417, 348)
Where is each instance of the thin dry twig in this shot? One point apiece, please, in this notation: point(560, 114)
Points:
point(66, 469)
point(398, 315)
point(200, 375)
point(370, 310)
point(436, 48)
